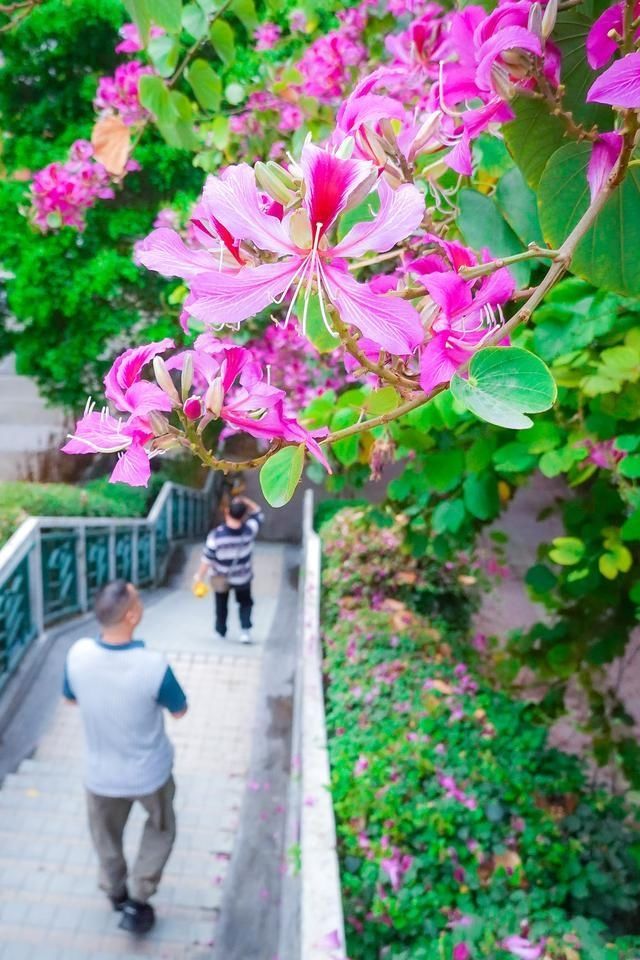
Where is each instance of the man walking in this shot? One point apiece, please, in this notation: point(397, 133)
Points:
point(122, 688)
point(227, 557)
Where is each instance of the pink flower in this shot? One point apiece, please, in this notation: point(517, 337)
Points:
point(461, 952)
point(102, 433)
point(298, 21)
point(119, 93)
point(604, 156)
point(362, 764)
point(306, 258)
point(131, 42)
point(395, 867)
point(523, 948)
point(266, 36)
point(61, 193)
point(619, 85)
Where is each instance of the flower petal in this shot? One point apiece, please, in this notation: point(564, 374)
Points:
point(166, 252)
point(618, 86)
point(600, 46)
point(143, 397)
point(604, 157)
point(133, 467)
point(401, 212)
point(98, 433)
point(218, 298)
point(126, 368)
point(509, 38)
point(331, 183)
point(459, 159)
point(233, 201)
point(438, 363)
point(390, 322)
point(449, 291)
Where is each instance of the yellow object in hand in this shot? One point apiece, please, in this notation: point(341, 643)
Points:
point(200, 588)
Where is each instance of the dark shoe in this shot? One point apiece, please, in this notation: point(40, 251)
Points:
point(137, 917)
point(118, 902)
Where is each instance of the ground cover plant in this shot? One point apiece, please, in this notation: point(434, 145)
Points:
point(461, 834)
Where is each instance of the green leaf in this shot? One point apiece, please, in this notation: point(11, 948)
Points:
point(245, 11)
point(630, 529)
point(554, 462)
point(513, 458)
point(346, 450)
point(504, 384)
point(448, 516)
point(316, 330)
point(154, 95)
point(222, 41)
point(234, 93)
point(608, 566)
point(481, 496)
point(443, 470)
point(567, 551)
point(606, 256)
point(532, 137)
point(194, 21)
point(541, 437)
point(220, 132)
point(164, 52)
point(281, 474)
point(206, 85)
point(517, 203)
point(479, 454)
point(630, 466)
point(179, 133)
point(570, 35)
point(167, 14)
point(382, 400)
point(627, 442)
point(363, 213)
point(483, 225)
point(540, 578)
point(491, 156)
point(140, 13)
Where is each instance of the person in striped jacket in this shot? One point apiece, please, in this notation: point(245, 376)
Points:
point(227, 558)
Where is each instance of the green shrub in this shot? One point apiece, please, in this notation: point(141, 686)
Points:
point(327, 509)
point(456, 822)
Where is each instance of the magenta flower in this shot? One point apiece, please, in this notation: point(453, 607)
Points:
point(395, 867)
point(604, 156)
point(362, 764)
point(523, 948)
point(461, 952)
point(127, 391)
point(131, 42)
point(619, 85)
point(61, 193)
point(266, 36)
point(119, 93)
point(101, 433)
point(306, 258)
point(463, 315)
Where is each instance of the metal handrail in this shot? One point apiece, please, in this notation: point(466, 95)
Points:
point(51, 567)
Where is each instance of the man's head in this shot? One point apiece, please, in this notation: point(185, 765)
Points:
point(236, 512)
point(118, 607)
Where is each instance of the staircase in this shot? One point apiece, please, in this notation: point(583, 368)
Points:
point(50, 907)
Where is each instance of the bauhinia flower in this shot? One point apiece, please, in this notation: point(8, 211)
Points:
point(523, 948)
point(257, 258)
point(604, 156)
point(619, 85)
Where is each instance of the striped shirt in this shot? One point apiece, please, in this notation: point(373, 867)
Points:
point(229, 551)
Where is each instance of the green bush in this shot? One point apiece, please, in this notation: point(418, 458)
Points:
point(456, 823)
point(98, 498)
point(327, 509)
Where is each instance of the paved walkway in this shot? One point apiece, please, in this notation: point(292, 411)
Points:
point(50, 908)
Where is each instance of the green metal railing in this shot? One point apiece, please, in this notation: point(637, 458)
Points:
point(52, 567)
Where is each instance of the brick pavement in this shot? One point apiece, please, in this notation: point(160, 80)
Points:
point(50, 907)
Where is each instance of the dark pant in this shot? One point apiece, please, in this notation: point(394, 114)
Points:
point(245, 602)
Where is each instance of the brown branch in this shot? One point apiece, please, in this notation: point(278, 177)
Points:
point(350, 344)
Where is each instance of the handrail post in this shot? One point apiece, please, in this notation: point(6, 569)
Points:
point(81, 569)
point(36, 590)
point(134, 555)
point(112, 553)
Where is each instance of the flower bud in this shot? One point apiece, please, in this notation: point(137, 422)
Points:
point(345, 149)
point(192, 408)
point(535, 19)
point(163, 379)
point(501, 83)
point(426, 133)
point(214, 397)
point(159, 424)
point(273, 184)
point(363, 191)
point(187, 375)
point(549, 18)
point(371, 144)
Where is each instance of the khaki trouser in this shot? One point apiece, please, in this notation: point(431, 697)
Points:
point(107, 819)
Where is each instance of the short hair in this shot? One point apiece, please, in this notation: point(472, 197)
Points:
point(237, 508)
point(112, 603)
